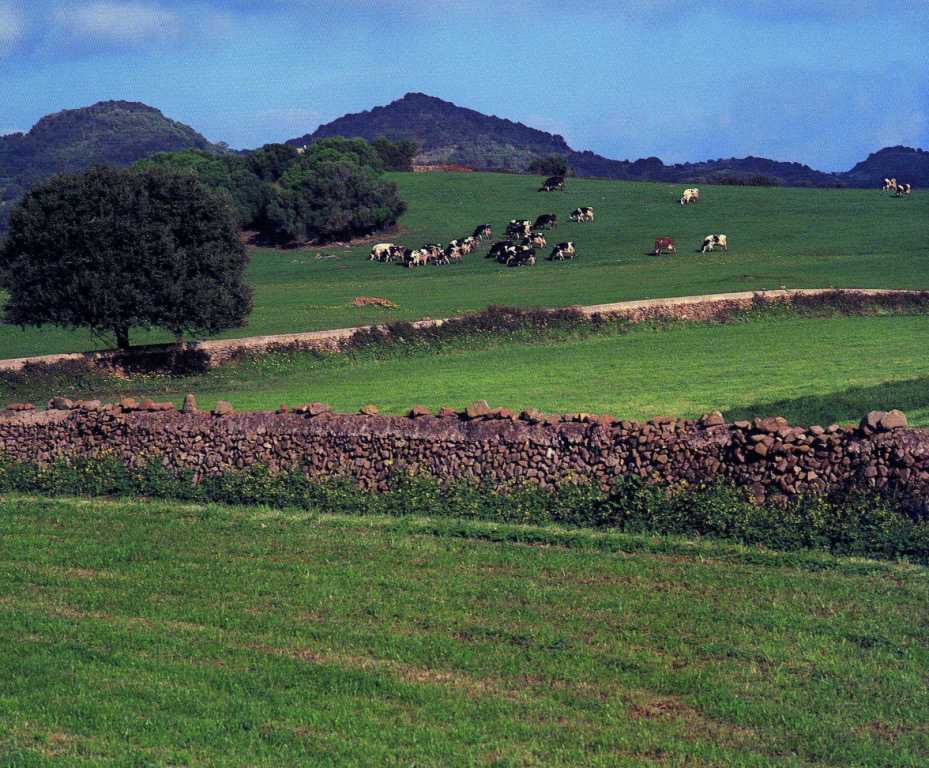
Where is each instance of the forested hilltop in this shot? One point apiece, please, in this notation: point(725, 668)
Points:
point(109, 132)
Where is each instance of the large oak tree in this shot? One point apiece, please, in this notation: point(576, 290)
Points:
point(115, 249)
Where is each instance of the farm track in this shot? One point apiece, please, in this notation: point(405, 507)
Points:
point(694, 308)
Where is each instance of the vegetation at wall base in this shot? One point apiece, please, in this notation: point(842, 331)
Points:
point(880, 526)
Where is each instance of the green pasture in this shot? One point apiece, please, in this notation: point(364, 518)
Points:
point(778, 237)
point(142, 633)
point(811, 370)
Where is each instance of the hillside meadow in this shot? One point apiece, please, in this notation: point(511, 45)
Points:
point(808, 369)
point(778, 237)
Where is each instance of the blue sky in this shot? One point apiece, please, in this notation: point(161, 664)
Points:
point(819, 82)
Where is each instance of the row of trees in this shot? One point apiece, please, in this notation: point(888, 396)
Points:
point(332, 190)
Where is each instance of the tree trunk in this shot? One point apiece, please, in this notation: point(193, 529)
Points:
point(122, 338)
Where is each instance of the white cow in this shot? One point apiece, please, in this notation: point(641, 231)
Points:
point(691, 195)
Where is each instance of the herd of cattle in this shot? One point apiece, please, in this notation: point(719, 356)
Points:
point(899, 189)
point(525, 237)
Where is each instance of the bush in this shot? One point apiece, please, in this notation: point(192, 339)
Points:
point(553, 165)
point(872, 526)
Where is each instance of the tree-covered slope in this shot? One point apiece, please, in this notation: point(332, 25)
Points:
point(110, 132)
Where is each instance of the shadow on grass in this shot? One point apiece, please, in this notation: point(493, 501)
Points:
point(844, 406)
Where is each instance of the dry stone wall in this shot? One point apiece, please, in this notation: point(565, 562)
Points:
point(495, 446)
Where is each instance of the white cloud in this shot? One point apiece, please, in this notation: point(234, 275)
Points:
point(121, 23)
point(12, 28)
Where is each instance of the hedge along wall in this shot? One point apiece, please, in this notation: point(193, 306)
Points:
point(490, 445)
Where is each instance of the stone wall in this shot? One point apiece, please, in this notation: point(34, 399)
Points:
point(493, 445)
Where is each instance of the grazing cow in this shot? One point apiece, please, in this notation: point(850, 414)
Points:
point(384, 252)
point(904, 190)
point(417, 258)
point(521, 256)
point(546, 221)
point(552, 184)
point(890, 185)
point(690, 196)
point(500, 250)
point(454, 251)
point(711, 241)
point(582, 215)
point(663, 244)
point(482, 231)
point(433, 250)
point(563, 251)
point(535, 240)
point(518, 229)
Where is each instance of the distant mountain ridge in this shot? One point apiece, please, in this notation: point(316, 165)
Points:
point(447, 133)
point(111, 132)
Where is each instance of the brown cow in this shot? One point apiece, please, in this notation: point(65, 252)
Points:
point(663, 244)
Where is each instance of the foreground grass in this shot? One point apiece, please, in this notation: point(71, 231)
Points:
point(794, 237)
point(155, 634)
point(812, 370)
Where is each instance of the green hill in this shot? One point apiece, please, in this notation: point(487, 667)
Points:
point(112, 132)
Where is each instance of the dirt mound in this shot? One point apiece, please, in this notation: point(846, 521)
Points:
point(373, 301)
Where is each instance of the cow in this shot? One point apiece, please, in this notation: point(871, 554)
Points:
point(500, 250)
point(468, 244)
point(581, 215)
point(552, 184)
point(904, 190)
point(690, 196)
point(563, 251)
point(453, 252)
point(711, 241)
point(433, 250)
point(417, 258)
point(518, 229)
point(663, 244)
point(535, 240)
point(521, 255)
point(385, 252)
point(482, 231)
point(546, 221)
point(890, 185)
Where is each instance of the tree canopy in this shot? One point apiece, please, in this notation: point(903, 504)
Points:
point(115, 249)
point(331, 190)
point(553, 165)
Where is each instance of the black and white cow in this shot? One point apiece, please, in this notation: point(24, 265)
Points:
point(517, 229)
point(482, 231)
point(582, 215)
point(553, 184)
point(522, 256)
point(546, 221)
point(563, 251)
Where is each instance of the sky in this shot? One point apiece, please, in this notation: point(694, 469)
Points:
point(815, 81)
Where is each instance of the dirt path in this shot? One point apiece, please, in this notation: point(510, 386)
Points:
point(683, 307)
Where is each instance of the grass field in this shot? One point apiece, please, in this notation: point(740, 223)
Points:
point(155, 634)
point(812, 370)
point(793, 237)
